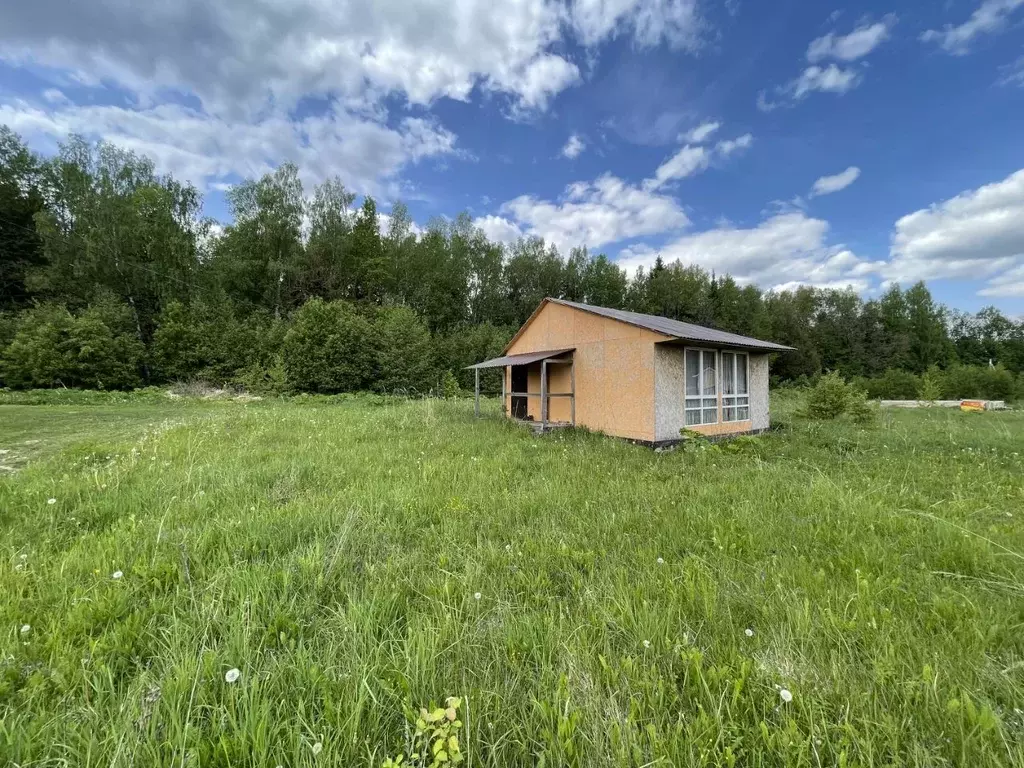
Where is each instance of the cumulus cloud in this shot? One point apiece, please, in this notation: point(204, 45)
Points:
point(826, 185)
point(781, 252)
point(207, 150)
point(499, 229)
point(978, 233)
point(989, 17)
point(573, 147)
point(650, 22)
point(859, 43)
point(594, 214)
point(237, 55)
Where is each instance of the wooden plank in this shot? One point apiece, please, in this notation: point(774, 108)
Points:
point(544, 394)
point(572, 387)
point(476, 404)
point(504, 372)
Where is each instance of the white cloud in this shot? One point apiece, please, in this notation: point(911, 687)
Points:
point(691, 160)
point(990, 17)
point(499, 229)
point(242, 56)
point(207, 150)
point(978, 233)
point(730, 146)
point(1008, 284)
point(826, 185)
point(783, 251)
point(594, 214)
point(676, 22)
point(830, 79)
point(573, 147)
point(859, 43)
point(1013, 74)
point(702, 132)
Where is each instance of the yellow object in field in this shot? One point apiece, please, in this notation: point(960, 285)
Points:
point(972, 405)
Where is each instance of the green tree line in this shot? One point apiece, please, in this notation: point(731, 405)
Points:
point(110, 277)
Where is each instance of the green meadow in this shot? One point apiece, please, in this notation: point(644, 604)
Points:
point(823, 595)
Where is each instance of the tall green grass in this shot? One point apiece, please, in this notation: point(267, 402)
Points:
point(587, 599)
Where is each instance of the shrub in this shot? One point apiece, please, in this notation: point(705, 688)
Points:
point(828, 398)
point(931, 384)
point(260, 379)
point(832, 397)
point(450, 385)
point(329, 348)
point(52, 347)
point(405, 357)
point(894, 384)
point(968, 381)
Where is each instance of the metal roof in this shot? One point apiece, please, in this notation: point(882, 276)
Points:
point(524, 359)
point(677, 329)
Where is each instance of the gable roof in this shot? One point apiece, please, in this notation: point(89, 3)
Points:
point(674, 328)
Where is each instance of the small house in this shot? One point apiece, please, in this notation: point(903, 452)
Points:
point(631, 375)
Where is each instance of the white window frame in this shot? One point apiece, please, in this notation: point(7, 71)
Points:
point(706, 402)
point(736, 404)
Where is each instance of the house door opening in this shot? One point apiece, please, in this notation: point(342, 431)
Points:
point(520, 383)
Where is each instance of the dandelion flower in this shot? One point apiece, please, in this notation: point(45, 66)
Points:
point(23, 557)
point(116, 575)
point(317, 749)
point(661, 561)
point(748, 632)
point(51, 501)
point(647, 643)
point(477, 596)
point(785, 695)
point(25, 629)
point(232, 675)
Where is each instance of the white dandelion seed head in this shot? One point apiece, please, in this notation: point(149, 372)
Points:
point(647, 643)
point(116, 575)
point(661, 561)
point(317, 748)
point(51, 501)
point(748, 632)
point(25, 629)
point(23, 557)
point(232, 675)
point(19, 567)
point(785, 695)
point(477, 596)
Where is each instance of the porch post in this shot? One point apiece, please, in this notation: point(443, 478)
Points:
point(572, 382)
point(476, 403)
point(504, 372)
point(544, 394)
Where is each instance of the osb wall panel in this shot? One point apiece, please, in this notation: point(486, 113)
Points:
point(670, 398)
point(758, 372)
point(614, 370)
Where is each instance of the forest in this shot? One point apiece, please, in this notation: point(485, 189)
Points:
point(111, 277)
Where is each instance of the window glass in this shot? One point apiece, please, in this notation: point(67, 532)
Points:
point(728, 373)
point(692, 372)
point(741, 374)
point(709, 373)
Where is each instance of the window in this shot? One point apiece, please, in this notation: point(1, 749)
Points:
point(735, 391)
point(701, 387)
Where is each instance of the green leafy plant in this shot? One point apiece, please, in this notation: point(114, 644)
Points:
point(832, 397)
point(450, 385)
point(435, 743)
point(931, 384)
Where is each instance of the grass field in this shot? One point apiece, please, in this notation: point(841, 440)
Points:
point(592, 603)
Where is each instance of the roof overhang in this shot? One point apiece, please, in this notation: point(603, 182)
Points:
point(524, 359)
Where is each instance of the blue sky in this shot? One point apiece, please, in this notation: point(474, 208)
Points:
point(786, 143)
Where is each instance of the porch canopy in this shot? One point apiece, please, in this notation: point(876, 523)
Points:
point(523, 359)
point(544, 358)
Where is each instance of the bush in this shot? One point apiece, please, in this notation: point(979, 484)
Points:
point(931, 384)
point(894, 384)
point(450, 385)
point(329, 348)
point(260, 379)
point(832, 397)
point(97, 349)
point(978, 381)
point(405, 356)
